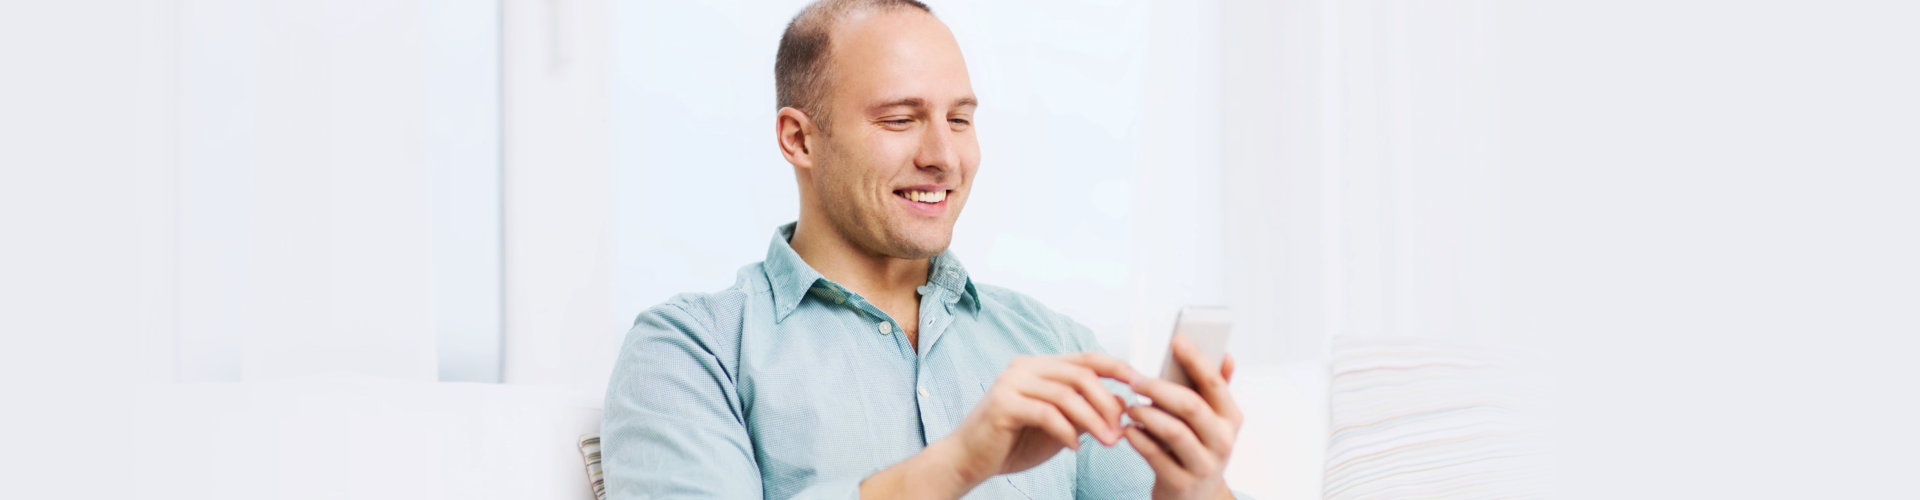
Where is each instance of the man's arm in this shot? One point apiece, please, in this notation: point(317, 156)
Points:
point(673, 426)
point(936, 473)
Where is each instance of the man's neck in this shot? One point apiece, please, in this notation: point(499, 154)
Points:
point(890, 283)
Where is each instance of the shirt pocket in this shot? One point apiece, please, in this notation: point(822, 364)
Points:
point(970, 397)
point(1053, 478)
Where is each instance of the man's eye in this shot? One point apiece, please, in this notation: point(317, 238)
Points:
point(901, 121)
point(959, 121)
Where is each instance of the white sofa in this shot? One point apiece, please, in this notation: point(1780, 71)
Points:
point(360, 438)
point(367, 438)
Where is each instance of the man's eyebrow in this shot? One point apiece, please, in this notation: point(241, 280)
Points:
point(911, 102)
point(915, 102)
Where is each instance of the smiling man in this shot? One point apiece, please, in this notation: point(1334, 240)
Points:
point(859, 360)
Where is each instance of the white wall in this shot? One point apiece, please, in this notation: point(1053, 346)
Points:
point(85, 292)
point(338, 187)
point(264, 190)
point(223, 191)
point(85, 154)
point(558, 193)
point(1698, 215)
point(1711, 221)
point(1361, 175)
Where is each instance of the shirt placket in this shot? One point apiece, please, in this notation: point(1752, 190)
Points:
point(935, 422)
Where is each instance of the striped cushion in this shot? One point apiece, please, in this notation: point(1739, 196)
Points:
point(1414, 419)
point(590, 451)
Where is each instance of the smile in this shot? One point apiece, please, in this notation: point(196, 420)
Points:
point(928, 197)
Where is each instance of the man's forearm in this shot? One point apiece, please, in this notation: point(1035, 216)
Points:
point(937, 472)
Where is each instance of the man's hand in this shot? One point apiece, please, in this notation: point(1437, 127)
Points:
point(1186, 436)
point(1037, 406)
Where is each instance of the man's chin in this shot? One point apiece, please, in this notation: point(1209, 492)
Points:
point(922, 243)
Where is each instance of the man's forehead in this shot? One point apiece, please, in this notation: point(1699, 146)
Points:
point(887, 23)
point(900, 58)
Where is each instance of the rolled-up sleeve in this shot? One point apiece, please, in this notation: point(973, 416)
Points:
point(673, 426)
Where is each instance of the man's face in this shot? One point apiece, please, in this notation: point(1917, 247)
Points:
point(896, 167)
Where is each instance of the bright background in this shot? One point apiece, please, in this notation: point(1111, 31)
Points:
point(1701, 215)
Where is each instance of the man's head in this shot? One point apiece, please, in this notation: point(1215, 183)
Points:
point(876, 116)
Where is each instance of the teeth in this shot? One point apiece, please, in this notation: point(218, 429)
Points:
point(926, 196)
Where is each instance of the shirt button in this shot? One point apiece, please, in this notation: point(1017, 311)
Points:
point(923, 393)
point(886, 328)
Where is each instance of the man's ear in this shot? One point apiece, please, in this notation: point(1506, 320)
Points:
point(795, 132)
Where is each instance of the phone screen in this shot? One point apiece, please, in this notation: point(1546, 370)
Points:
point(1207, 327)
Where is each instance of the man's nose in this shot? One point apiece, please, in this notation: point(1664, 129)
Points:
point(936, 149)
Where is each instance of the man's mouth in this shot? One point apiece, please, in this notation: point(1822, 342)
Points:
point(927, 197)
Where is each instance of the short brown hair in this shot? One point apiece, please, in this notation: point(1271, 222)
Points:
point(800, 66)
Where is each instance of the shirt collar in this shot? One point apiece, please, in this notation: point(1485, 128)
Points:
point(791, 277)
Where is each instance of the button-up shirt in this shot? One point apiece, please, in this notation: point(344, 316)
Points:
point(788, 385)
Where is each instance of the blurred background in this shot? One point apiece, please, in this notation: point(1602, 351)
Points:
point(358, 248)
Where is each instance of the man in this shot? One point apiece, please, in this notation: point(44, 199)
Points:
point(858, 359)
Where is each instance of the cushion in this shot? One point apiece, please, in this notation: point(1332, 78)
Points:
point(590, 452)
point(1418, 419)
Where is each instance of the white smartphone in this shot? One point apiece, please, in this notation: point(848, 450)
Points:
point(1207, 328)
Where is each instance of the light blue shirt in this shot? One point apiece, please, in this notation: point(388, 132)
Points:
point(787, 385)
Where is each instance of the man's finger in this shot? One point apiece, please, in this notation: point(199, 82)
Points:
point(1163, 462)
point(1230, 408)
point(1105, 366)
point(1206, 377)
point(1176, 436)
point(1181, 403)
point(1085, 381)
point(1071, 404)
point(1048, 419)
